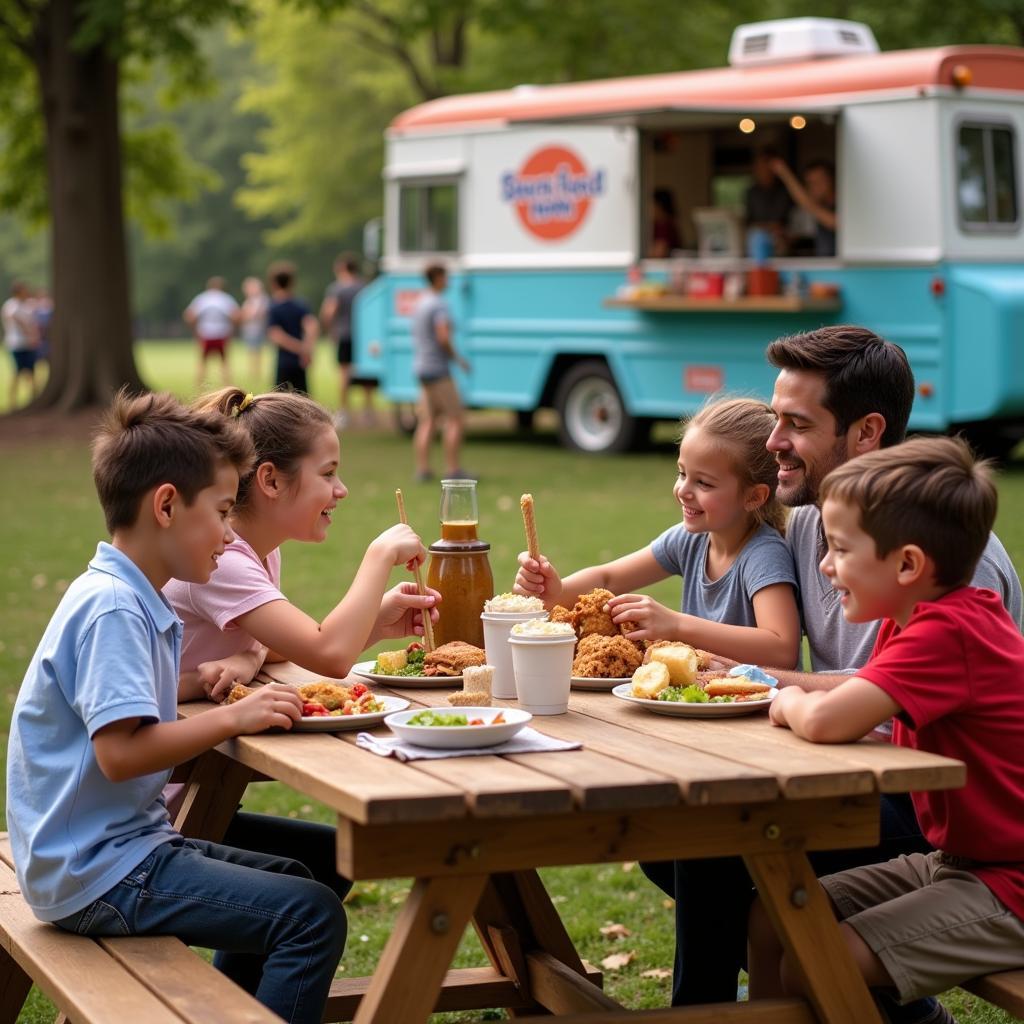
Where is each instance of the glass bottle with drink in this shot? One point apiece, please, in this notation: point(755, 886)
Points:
point(459, 568)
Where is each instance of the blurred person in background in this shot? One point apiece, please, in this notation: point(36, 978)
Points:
point(213, 316)
point(21, 338)
point(254, 312)
point(291, 327)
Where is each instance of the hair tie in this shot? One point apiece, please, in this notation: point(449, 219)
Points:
point(242, 405)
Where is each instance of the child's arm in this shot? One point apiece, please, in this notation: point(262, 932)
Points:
point(331, 647)
point(537, 577)
point(282, 339)
point(842, 715)
point(130, 748)
point(774, 640)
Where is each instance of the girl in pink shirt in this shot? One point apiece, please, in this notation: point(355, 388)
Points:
point(241, 618)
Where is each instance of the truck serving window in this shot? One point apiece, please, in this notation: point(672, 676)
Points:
point(987, 177)
point(428, 217)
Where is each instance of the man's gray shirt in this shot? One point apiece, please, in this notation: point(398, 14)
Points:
point(430, 361)
point(840, 646)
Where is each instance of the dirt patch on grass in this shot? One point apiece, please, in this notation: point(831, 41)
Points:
point(17, 429)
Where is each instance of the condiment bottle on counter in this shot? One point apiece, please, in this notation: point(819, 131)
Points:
point(459, 568)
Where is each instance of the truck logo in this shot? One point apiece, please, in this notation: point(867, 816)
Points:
point(552, 192)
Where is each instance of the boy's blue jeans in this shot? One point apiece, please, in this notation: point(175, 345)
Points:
point(277, 933)
point(713, 899)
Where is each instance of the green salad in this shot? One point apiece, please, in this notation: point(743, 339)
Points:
point(429, 717)
point(692, 695)
point(413, 666)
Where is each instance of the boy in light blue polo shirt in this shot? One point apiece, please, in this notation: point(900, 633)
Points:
point(94, 732)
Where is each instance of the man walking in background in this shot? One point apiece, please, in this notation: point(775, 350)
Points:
point(433, 353)
point(213, 315)
point(336, 322)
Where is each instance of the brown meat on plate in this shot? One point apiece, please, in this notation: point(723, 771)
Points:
point(451, 658)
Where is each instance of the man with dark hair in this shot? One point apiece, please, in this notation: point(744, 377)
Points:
point(817, 195)
point(842, 391)
point(291, 327)
point(767, 204)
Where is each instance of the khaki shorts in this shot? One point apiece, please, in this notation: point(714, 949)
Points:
point(440, 398)
point(933, 925)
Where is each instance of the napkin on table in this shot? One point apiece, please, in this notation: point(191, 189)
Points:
point(526, 741)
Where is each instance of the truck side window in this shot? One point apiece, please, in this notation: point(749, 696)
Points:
point(428, 217)
point(987, 177)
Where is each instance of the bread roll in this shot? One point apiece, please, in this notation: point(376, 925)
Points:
point(649, 680)
point(680, 659)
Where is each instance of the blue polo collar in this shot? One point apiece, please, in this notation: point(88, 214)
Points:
point(113, 562)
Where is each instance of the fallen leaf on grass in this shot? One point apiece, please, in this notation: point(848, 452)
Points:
point(615, 931)
point(617, 960)
point(656, 972)
point(628, 865)
point(668, 904)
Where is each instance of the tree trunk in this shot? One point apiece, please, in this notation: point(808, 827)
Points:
point(91, 340)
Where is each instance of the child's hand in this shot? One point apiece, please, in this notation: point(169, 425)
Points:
point(401, 612)
point(537, 577)
point(783, 699)
point(654, 621)
point(269, 706)
point(217, 677)
point(402, 546)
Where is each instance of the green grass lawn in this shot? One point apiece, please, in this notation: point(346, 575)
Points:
point(588, 509)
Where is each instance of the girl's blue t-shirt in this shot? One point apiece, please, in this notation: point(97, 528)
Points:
point(764, 561)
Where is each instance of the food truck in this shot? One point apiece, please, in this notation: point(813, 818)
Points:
point(540, 201)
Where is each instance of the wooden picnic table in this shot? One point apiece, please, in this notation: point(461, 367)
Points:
point(472, 832)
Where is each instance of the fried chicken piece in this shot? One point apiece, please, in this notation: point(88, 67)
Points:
point(605, 657)
point(561, 614)
point(451, 658)
point(629, 626)
point(238, 691)
point(589, 616)
point(332, 695)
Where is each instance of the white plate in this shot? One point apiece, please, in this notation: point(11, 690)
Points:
point(365, 669)
point(597, 683)
point(342, 723)
point(456, 737)
point(680, 710)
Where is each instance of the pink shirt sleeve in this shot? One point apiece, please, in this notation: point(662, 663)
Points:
point(239, 584)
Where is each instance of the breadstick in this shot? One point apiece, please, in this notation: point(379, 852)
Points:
point(428, 626)
point(532, 546)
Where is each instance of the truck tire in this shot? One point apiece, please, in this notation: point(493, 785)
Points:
point(592, 416)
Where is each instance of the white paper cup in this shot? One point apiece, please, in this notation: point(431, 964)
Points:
point(543, 670)
point(497, 626)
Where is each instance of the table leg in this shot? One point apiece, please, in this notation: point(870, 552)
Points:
point(213, 791)
point(803, 919)
point(408, 977)
point(14, 988)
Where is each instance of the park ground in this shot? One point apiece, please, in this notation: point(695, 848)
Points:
point(589, 509)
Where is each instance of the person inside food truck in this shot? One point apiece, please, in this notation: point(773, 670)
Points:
point(768, 202)
point(664, 231)
point(817, 195)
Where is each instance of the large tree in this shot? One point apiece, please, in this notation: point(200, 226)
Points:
point(65, 61)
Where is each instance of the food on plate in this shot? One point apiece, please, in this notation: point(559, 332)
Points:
point(542, 628)
point(431, 718)
point(605, 657)
point(452, 658)
point(510, 602)
point(649, 680)
point(692, 694)
point(324, 699)
point(589, 615)
point(739, 687)
point(561, 614)
point(680, 659)
point(478, 679)
point(406, 662)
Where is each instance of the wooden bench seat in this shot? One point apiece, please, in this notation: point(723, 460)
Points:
point(1005, 990)
point(156, 979)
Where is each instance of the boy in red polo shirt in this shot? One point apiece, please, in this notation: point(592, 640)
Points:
point(905, 527)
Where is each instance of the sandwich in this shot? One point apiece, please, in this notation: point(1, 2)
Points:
point(451, 658)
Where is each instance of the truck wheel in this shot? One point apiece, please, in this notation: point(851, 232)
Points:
point(592, 417)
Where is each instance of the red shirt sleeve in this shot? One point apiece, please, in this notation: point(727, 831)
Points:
point(924, 666)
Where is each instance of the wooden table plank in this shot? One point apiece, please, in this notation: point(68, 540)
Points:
point(701, 778)
point(362, 786)
point(803, 771)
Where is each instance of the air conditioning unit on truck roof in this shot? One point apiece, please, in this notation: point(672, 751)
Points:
point(793, 39)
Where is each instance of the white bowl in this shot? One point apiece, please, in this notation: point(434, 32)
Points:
point(455, 737)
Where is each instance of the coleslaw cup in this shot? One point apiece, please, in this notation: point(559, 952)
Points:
point(543, 672)
point(497, 627)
